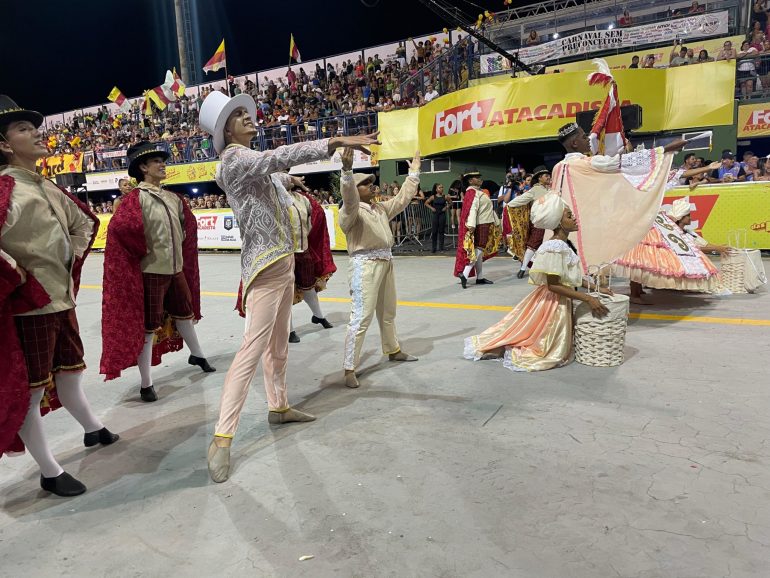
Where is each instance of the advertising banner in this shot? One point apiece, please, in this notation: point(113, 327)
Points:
point(218, 229)
point(661, 54)
point(63, 163)
point(519, 109)
point(696, 26)
point(360, 161)
point(720, 209)
point(754, 120)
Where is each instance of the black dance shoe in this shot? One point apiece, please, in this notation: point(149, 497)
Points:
point(521, 273)
point(63, 485)
point(484, 282)
point(202, 363)
point(293, 337)
point(463, 281)
point(148, 394)
point(103, 436)
point(322, 322)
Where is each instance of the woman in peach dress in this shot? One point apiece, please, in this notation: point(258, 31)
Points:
point(537, 334)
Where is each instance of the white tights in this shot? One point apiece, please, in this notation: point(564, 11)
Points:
point(478, 264)
point(528, 255)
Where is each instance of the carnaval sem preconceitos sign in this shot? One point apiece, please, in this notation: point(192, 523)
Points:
point(531, 108)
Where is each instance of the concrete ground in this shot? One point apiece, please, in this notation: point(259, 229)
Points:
point(445, 467)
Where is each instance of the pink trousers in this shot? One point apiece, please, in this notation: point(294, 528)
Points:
point(266, 337)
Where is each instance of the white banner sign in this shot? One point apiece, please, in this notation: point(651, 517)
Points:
point(218, 229)
point(360, 161)
point(698, 26)
point(103, 181)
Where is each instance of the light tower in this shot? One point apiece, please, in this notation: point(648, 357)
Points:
point(188, 61)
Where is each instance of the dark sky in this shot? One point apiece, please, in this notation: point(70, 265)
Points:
point(63, 55)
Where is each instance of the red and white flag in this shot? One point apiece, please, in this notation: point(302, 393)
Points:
point(607, 136)
point(173, 87)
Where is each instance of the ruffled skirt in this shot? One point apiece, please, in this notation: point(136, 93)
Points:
point(536, 334)
point(657, 262)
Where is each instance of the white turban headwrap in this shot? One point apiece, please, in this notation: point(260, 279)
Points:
point(547, 211)
point(679, 209)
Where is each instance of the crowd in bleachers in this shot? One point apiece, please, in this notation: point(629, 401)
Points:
point(299, 99)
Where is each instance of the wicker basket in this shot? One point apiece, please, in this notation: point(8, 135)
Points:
point(733, 271)
point(601, 342)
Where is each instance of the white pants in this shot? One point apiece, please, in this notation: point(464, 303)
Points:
point(372, 290)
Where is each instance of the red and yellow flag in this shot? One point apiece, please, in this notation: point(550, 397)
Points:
point(119, 98)
point(217, 61)
point(293, 50)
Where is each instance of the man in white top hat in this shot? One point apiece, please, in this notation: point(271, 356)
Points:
point(258, 194)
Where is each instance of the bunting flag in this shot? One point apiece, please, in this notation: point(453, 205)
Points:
point(217, 61)
point(607, 134)
point(173, 87)
point(147, 104)
point(158, 97)
point(294, 51)
point(119, 98)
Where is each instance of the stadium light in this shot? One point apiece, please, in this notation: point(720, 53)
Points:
point(555, 35)
point(114, 196)
point(195, 190)
point(610, 27)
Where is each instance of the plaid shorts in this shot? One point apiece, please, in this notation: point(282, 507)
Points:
point(481, 235)
point(165, 293)
point(51, 343)
point(535, 238)
point(304, 271)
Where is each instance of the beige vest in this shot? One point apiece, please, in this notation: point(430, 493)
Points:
point(163, 230)
point(299, 214)
point(43, 232)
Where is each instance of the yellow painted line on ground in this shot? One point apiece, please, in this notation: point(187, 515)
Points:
point(474, 307)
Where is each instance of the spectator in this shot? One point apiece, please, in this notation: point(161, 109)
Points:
point(729, 172)
point(634, 62)
point(431, 93)
point(532, 39)
point(727, 52)
point(679, 55)
point(757, 34)
point(703, 56)
point(626, 19)
point(696, 8)
point(759, 11)
point(649, 61)
point(750, 165)
point(747, 71)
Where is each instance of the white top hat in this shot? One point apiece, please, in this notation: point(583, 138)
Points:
point(215, 111)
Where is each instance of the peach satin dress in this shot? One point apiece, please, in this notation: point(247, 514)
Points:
point(537, 333)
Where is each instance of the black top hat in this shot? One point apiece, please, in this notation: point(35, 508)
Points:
point(12, 112)
point(541, 170)
point(471, 173)
point(140, 152)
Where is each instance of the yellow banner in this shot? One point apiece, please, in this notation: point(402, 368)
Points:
point(63, 163)
point(101, 236)
point(721, 209)
point(192, 173)
point(754, 120)
point(531, 108)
